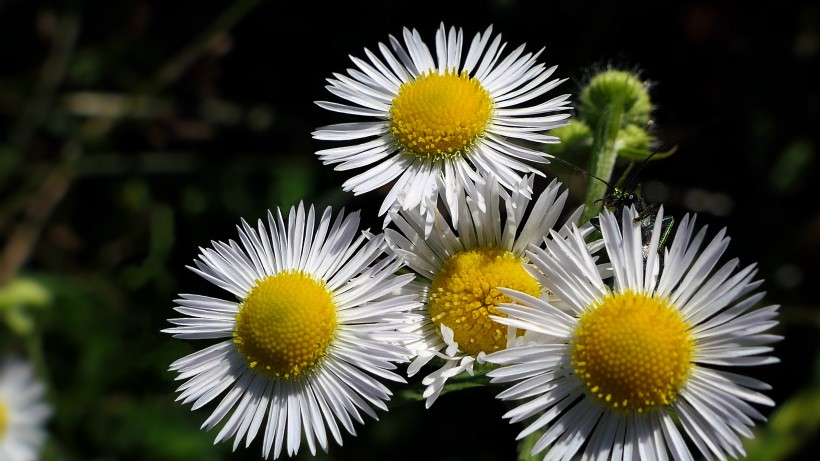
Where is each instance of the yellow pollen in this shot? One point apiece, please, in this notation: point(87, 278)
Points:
point(465, 293)
point(440, 115)
point(633, 351)
point(285, 324)
point(4, 419)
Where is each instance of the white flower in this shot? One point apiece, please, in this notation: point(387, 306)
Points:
point(314, 323)
point(461, 273)
point(437, 123)
point(23, 412)
point(627, 362)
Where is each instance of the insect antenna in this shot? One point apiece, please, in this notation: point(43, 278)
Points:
point(643, 163)
point(577, 168)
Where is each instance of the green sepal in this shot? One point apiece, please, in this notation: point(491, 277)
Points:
point(639, 155)
point(576, 139)
point(632, 137)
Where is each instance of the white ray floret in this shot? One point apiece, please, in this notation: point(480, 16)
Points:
point(313, 402)
point(478, 228)
point(714, 307)
point(23, 412)
point(429, 148)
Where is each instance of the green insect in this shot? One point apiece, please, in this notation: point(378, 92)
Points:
point(617, 198)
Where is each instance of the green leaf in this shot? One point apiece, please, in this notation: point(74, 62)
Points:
point(24, 292)
point(794, 424)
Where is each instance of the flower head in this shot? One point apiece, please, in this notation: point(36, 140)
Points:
point(316, 319)
point(23, 412)
point(461, 271)
point(437, 123)
point(625, 362)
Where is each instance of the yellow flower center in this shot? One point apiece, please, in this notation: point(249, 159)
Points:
point(4, 418)
point(465, 293)
point(440, 115)
point(633, 351)
point(285, 324)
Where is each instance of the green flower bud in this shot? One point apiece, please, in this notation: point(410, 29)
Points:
point(615, 86)
point(576, 139)
point(632, 142)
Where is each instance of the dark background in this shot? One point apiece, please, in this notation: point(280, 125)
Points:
point(164, 123)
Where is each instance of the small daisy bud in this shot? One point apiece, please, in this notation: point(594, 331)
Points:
point(615, 86)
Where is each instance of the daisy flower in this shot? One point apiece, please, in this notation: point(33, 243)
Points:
point(630, 364)
point(440, 122)
point(23, 412)
point(314, 323)
point(461, 272)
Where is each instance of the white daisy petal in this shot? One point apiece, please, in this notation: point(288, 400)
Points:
point(23, 411)
point(291, 269)
point(485, 237)
point(422, 151)
point(699, 314)
point(352, 110)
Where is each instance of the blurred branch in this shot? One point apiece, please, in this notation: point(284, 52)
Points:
point(52, 74)
point(170, 72)
point(97, 104)
point(25, 234)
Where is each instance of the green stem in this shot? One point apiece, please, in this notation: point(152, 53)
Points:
point(603, 157)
